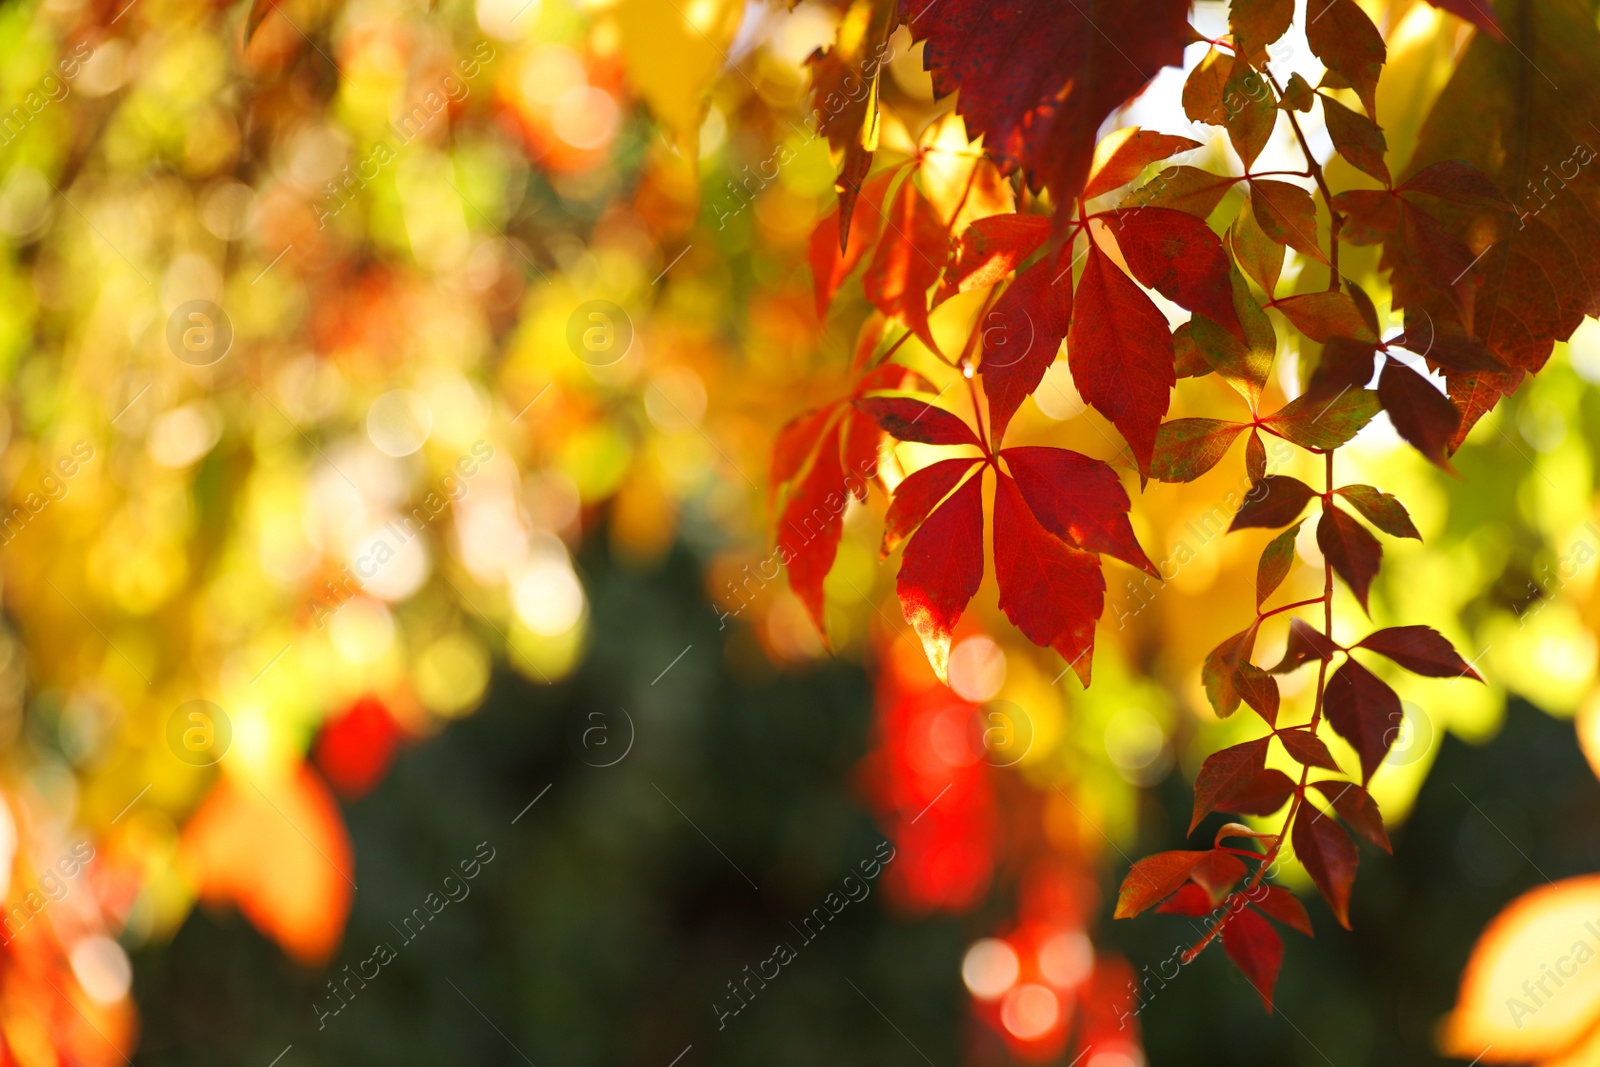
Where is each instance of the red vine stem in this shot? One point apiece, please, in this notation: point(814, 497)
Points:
point(1336, 220)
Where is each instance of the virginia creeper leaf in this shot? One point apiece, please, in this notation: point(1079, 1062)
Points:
point(1274, 501)
point(1246, 111)
point(1422, 415)
point(1255, 457)
point(1307, 748)
point(1284, 906)
point(1356, 138)
point(1217, 874)
point(1187, 448)
point(1364, 711)
point(1349, 45)
point(1327, 315)
point(1121, 156)
point(1080, 500)
point(811, 524)
point(1420, 650)
point(1021, 336)
point(942, 569)
point(1287, 215)
point(1259, 690)
point(990, 249)
point(1052, 592)
point(1152, 880)
point(1276, 559)
point(1256, 949)
point(908, 418)
point(1315, 422)
point(1203, 89)
point(917, 496)
point(1356, 807)
point(910, 256)
point(1306, 643)
point(1381, 509)
point(1329, 857)
point(1257, 23)
point(829, 265)
point(1259, 255)
point(1218, 671)
point(1187, 189)
point(1179, 257)
point(1354, 553)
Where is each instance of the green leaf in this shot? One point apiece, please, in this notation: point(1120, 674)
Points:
point(1187, 448)
point(1313, 421)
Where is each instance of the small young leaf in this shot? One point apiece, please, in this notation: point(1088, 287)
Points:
point(1122, 155)
point(942, 569)
point(1381, 509)
point(1153, 879)
point(1306, 643)
point(1356, 138)
point(908, 418)
point(990, 249)
point(1356, 807)
point(917, 496)
point(1120, 353)
point(1316, 422)
point(1274, 501)
point(1256, 949)
point(1354, 553)
point(1284, 906)
point(1287, 215)
point(1052, 592)
point(1217, 874)
point(1276, 559)
point(1187, 448)
point(1307, 748)
point(1188, 189)
point(1420, 650)
point(1080, 500)
point(1220, 665)
point(1255, 457)
point(1328, 855)
point(1364, 711)
point(1349, 45)
point(1021, 335)
point(1421, 414)
point(1297, 94)
point(1326, 315)
point(1224, 773)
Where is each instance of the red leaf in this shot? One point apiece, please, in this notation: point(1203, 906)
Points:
point(942, 569)
point(1329, 857)
point(1263, 795)
point(1458, 182)
point(1217, 874)
point(1307, 748)
point(1276, 560)
point(812, 522)
point(917, 496)
point(1349, 45)
point(355, 749)
point(906, 418)
point(1179, 257)
point(1153, 879)
point(1187, 448)
point(1120, 353)
point(1284, 906)
point(1380, 509)
point(1306, 643)
point(1354, 553)
point(1190, 900)
point(1276, 500)
point(1021, 337)
point(1477, 12)
point(795, 444)
point(1421, 414)
point(1050, 591)
point(990, 249)
point(1287, 214)
point(1224, 773)
point(1037, 78)
point(1080, 500)
point(1258, 689)
point(1256, 949)
point(909, 258)
point(1124, 154)
point(1356, 807)
point(829, 266)
point(1364, 711)
point(1420, 650)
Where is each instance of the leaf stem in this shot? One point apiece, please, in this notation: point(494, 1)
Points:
point(1337, 220)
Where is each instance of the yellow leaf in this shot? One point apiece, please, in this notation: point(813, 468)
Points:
point(674, 50)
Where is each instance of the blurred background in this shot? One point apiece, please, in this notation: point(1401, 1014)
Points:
point(396, 666)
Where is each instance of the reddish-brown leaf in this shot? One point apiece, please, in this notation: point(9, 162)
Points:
point(1306, 643)
point(1357, 138)
point(917, 496)
point(1420, 650)
point(1187, 189)
point(1370, 215)
point(1343, 366)
point(1255, 457)
point(829, 266)
point(1264, 794)
point(1274, 501)
point(942, 569)
point(1021, 335)
point(1287, 214)
point(1327, 315)
point(1421, 414)
point(910, 256)
point(1204, 88)
point(1259, 255)
point(1256, 949)
point(1259, 690)
point(1179, 257)
point(812, 522)
point(1356, 807)
point(1276, 559)
point(1307, 748)
point(1284, 906)
point(1349, 45)
point(1037, 78)
point(1221, 664)
point(1364, 711)
point(1052, 592)
point(1458, 182)
point(1312, 421)
point(990, 249)
point(1329, 857)
point(1124, 154)
point(1187, 448)
point(1190, 900)
point(1120, 352)
point(909, 418)
point(1257, 23)
point(1477, 12)
point(1153, 879)
point(1224, 773)
point(1217, 874)
point(1381, 509)
point(1354, 553)
point(1080, 500)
